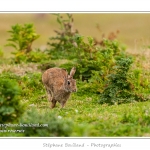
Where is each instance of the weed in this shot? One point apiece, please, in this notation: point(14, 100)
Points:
point(22, 37)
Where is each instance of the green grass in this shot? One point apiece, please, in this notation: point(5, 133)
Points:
point(95, 120)
point(125, 120)
point(122, 120)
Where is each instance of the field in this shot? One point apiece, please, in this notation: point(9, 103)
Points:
point(85, 114)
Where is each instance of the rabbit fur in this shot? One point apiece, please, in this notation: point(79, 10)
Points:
point(59, 85)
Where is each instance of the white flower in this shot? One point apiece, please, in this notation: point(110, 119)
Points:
point(59, 117)
point(76, 110)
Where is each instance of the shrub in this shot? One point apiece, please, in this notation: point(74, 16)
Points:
point(61, 45)
point(10, 107)
point(32, 80)
point(35, 56)
point(53, 125)
point(21, 38)
point(119, 87)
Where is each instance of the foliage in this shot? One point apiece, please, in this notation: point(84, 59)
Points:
point(97, 59)
point(61, 44)
point(10, 106)
point(86, 57)
point(32, 81)
point(30, 84)
point(118, 87)
point(22, 37)
point(36, 56)
point(32, 88)
point(51, 124)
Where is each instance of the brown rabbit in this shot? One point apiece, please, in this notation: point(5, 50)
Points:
point(59, 85)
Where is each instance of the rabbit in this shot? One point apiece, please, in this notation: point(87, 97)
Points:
point(59, 85)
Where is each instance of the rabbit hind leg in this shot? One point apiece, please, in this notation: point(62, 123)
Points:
point(51, 99)
point(49, 94)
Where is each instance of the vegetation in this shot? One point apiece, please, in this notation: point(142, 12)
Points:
point(113, 86)
point(21, 38)
point(10, 104)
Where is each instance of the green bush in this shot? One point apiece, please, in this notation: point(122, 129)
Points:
point(35, 56)
point(51, 124)
point(32, 88)
point(31, 84)
point(119, 86)
point(61, 45)
point(21, 38)
point(10, 106)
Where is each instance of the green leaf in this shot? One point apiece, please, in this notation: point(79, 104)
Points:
point(12, 45)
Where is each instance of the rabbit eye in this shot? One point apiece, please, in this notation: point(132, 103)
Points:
point(68, 82)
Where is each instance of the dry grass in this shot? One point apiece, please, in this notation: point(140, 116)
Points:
point(133, 27)
point(20, 69)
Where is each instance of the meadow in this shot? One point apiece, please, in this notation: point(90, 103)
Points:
point(112, 77)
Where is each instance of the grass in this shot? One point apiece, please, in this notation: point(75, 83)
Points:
point(123, 120)
point(102, 120)
point(88, 118)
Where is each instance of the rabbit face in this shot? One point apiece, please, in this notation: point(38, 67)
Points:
point(70, 85)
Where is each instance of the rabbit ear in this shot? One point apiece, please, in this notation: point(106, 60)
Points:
point(72, 72)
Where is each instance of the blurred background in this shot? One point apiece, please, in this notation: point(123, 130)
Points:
point(132, 28)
